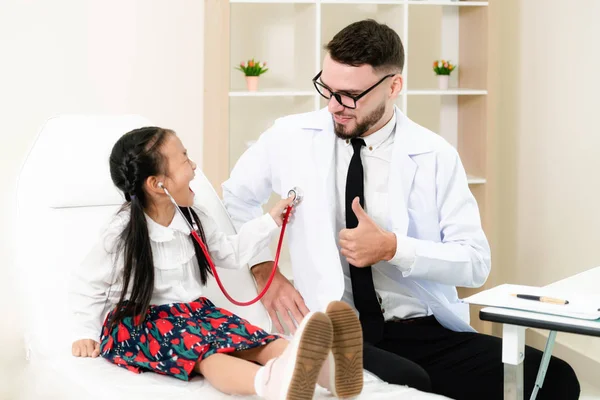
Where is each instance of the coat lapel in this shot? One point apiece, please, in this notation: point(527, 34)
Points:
point(403, 169)
point(323, 151)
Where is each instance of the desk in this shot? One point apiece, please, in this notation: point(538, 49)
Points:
point(516, 321)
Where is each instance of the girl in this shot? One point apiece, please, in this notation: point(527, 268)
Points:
point(144, 280)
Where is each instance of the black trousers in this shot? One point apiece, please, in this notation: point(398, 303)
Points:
point(422, 354)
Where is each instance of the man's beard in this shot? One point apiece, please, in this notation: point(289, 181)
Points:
point(361, 127)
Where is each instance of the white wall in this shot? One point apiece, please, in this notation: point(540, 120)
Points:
point(85, 56)
point(545, 63)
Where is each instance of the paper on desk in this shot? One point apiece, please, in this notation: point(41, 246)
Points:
point(582, 306)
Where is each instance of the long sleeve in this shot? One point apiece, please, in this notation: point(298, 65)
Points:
point(90, 285)
point(249, 188)
point(462, 258)
point(236, 251)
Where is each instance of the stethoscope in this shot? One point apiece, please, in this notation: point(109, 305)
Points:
point(296, 192)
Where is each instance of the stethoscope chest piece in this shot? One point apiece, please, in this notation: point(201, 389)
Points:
point(298, 195)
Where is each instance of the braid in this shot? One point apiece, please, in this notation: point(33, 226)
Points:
point(129, 170)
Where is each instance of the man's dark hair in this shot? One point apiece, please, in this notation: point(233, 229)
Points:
point(368, 42)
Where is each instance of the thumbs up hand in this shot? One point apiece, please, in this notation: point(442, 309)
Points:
point(367, 244)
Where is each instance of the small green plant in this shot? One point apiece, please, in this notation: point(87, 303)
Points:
point(443, 67)
point(253, 68)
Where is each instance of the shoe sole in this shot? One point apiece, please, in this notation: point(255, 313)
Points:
point(347, 349)
point(314, 346)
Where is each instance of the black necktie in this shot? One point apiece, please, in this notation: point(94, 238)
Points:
point(363, 290)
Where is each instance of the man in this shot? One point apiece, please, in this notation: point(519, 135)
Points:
point(387, 223)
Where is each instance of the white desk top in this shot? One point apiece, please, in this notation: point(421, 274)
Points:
point(585, 282)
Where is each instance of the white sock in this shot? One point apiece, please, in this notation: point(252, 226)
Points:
point(259, 382)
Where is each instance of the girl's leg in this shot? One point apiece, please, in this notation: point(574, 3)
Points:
point(293, 378)
point(262, 354)
point(229, 374)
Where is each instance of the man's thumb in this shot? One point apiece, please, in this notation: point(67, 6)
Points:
point(358, 210)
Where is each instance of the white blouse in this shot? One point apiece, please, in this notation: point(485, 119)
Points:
point(96, 285)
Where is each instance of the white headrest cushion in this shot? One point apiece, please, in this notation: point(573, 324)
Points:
point(71, 155)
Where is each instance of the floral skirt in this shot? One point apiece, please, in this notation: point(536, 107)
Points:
point(174, 337)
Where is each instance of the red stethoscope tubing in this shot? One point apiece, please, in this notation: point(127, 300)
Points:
point(216, 275)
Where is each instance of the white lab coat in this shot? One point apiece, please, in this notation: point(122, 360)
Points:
point(429, 201)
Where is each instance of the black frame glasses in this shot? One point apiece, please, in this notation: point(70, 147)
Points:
point(327, 93)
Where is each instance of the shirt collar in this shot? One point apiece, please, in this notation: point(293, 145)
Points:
point(375, 139)
point(160, 233)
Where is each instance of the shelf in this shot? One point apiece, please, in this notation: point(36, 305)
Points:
point(446, 3)
point(396, 2)
point(273, 93)
point(448, 92)
point(305, 93)
point(274, 1)
point(392, 2)
point(474, 180)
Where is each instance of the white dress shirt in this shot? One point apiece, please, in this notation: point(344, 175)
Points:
point(376, 155)
point(97, 283)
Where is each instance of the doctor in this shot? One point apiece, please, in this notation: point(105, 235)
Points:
point(387, 223)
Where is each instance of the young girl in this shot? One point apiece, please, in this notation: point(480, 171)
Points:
point(144, 280)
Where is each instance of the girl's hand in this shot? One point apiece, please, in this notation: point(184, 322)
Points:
point(279, 210)
point(86, 348)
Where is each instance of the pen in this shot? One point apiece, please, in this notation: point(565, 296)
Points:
point(542, 299)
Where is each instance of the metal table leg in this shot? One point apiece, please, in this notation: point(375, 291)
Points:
point(539, 381)
point(513, 354)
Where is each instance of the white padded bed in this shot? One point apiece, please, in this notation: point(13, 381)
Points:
point(65, 198)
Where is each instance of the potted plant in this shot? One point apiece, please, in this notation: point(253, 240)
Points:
point(442, 69)
point(252, 70)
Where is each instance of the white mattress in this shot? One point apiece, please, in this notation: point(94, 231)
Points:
point(78, 378)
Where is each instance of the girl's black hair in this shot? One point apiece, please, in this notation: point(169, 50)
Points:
point(135, 157)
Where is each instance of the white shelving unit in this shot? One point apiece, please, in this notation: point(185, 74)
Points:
point(290, 35)
point(273, 93)
point(448, 92)
point(317, 21)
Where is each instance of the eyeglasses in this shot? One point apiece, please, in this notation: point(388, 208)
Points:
point(345, 99)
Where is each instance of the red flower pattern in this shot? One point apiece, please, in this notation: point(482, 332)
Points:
point(156, 345)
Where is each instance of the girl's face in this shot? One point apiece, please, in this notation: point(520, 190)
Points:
point(180, 171)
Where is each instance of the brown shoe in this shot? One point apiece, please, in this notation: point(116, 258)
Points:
point(342, 373)
point(293, 375)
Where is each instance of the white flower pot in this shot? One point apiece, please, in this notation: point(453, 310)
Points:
point(443, 81)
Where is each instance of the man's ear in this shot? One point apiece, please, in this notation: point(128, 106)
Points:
point(397, 84)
